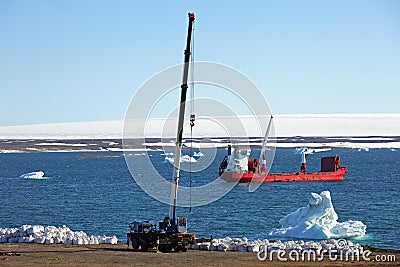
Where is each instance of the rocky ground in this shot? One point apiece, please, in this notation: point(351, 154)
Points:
point(30, 254)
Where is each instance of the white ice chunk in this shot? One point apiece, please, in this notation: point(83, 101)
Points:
point(318, 220)
point(50, 235)
point(36, 229)
point(184, 158)
point(33, 175)
point(114, 240)
point(198, 154)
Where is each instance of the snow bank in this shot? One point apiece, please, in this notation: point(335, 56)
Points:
point(318, 220)
point(33, 175)
point(51, 235)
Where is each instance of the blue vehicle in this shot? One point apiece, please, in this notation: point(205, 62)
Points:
point(144, 235)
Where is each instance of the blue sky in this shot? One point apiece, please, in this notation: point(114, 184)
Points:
point(64, 61)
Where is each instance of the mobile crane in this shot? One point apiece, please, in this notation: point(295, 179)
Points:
point(171, 233)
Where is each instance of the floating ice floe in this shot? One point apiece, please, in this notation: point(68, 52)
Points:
point(184, 158)
point(318, 220)
point(33, 175)
point(310, 150)
point(52, 235)
point(198, 154)
point(167, 154)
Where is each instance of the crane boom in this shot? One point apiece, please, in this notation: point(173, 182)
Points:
point(171, 233)
point(178, 143)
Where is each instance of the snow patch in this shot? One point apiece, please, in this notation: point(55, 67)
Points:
point(60, 144)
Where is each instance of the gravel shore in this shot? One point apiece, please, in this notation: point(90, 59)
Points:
point(29, 254)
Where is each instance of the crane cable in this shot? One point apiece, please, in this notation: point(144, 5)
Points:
point(192, 119)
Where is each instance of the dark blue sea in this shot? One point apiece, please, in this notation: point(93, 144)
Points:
point(99, 196)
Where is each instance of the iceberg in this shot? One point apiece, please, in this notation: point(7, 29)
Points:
point(33, 175)
point(318, 220)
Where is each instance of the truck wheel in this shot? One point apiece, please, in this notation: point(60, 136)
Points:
point(164, 248)
point(144, 245)
point(135, 244)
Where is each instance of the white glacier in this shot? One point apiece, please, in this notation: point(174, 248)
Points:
point(285, 125)
point(318, 220)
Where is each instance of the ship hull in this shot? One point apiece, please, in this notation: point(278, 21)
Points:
point(246, 177)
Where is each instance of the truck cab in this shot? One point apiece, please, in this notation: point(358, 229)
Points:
point(142, 227)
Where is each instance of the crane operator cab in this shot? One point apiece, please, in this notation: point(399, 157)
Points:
point(180, 226)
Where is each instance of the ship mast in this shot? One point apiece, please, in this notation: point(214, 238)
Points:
point(263, 158)
point(178, 143)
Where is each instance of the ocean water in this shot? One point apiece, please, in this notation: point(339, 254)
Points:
point(98, 195)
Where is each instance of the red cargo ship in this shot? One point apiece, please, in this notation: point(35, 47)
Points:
point(330, 171)
point(238, 167)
